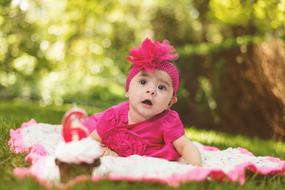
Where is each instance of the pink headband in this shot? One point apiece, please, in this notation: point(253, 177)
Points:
point(154, 55)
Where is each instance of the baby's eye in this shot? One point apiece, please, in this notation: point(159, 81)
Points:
point(162, 87)
point(142, 81)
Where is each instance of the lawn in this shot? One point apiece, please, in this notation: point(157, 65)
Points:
point(12, 114)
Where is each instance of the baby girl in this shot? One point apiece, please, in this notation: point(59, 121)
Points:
point(145, 124)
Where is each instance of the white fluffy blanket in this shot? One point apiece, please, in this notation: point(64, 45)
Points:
point(39, 141)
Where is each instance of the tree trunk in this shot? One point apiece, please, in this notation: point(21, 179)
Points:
point(248, 85)
point(251, 99)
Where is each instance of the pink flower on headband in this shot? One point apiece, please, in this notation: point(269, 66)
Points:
point(151, 54)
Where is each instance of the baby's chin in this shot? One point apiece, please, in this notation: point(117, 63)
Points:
point(149, 113)
point(146, 112)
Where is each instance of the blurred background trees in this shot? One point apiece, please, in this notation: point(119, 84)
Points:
point(232, 56)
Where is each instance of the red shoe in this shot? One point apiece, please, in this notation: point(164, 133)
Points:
point(72, 125)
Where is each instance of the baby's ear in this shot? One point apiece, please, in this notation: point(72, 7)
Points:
point(127, 94)
point(172, 101)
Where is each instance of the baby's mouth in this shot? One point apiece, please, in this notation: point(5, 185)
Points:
point(147, 102)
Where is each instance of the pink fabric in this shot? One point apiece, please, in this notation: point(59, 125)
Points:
point(22, 173)
point(16, 140)
point(237, 174)
point(92, 121)
point(154, 55)
point(36, 152)
point(153, 137)
point(169, 68)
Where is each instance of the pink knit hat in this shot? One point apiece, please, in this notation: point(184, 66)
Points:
point(154, 55)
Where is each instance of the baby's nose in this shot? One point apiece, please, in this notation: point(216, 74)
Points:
point(151, 91)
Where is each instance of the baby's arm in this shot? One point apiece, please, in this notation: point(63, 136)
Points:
point(94, 135)
point(188, 151)
point(106, 151)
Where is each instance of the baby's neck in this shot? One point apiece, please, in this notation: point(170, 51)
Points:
point(135, 117)
point(132, 118)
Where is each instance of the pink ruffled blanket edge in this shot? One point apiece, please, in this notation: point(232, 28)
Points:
point(35, 152)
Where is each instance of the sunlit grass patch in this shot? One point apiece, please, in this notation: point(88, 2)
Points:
point(221, 140)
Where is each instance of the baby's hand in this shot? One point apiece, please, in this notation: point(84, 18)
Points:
point(108, 152)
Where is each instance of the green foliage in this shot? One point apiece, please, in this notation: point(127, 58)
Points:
point(263, 15)
point(54, 50)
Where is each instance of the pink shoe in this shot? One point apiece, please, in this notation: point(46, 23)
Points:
point(72, 125)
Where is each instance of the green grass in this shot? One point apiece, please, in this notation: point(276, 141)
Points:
point(12, 114)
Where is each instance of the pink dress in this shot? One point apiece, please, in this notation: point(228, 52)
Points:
point(153, 137)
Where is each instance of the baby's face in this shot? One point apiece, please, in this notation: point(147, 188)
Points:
point(150, 93)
